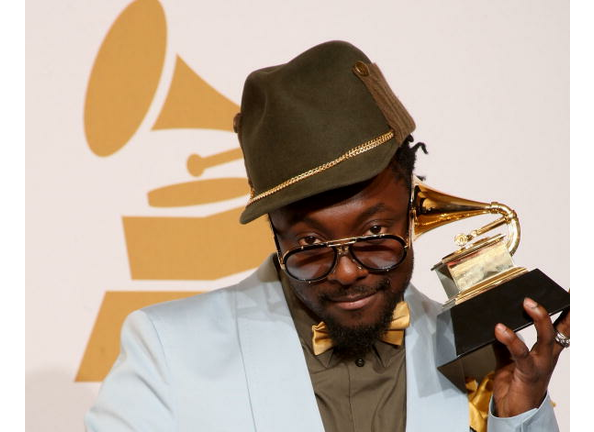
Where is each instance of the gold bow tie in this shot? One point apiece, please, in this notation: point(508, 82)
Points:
point(400, 320)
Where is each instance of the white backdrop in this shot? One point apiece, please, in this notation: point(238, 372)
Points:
point(486, 82)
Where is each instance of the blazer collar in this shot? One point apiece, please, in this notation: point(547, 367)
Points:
point(278, 380)
point(433, 402)
point(280, 388)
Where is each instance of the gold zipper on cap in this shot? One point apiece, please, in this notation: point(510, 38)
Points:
point(355, 151)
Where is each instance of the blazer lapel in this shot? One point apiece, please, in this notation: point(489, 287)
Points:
point(278, 381)
point(433, 402)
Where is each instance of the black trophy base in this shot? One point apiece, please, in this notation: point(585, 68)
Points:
point(466, 344)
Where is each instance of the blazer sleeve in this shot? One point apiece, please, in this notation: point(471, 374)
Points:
point(136, 394)
point(541, 419)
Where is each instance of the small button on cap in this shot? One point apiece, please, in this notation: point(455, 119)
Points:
point(361, 68)
point(360, 362)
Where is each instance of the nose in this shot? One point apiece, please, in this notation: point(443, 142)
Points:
point(346, 271)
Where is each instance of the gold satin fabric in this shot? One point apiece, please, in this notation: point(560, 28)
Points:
point(394, 335)
point(479, 396)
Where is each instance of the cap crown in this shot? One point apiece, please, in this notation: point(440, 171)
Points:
point(302, 115)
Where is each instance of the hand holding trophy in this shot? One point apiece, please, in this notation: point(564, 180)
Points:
point(489, 299)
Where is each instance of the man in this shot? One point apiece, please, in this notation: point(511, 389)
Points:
point(328, 334)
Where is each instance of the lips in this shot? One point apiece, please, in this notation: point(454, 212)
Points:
point(354, 302)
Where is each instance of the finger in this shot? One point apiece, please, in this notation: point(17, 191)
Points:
point(562, 326)
point(518, 349)
point(545, 332)
point(562, 323)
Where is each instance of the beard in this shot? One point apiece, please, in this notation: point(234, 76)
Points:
point(352, 342)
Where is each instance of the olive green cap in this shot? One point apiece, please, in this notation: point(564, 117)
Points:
point(324, 120)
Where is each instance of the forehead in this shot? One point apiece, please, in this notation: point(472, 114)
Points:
point(384, 194)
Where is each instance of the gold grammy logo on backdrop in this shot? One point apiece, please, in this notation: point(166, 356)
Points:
point(121, 88)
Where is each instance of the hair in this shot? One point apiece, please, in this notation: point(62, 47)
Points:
point(403, 161)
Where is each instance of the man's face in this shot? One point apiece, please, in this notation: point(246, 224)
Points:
point(350, 297)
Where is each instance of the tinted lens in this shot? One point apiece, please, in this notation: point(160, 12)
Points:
point(310, 263)
point(379, 253)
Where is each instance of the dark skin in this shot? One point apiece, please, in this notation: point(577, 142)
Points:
point(351, 297)
point(522, 385)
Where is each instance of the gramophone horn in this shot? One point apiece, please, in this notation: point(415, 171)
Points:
point(126, 76)
point(431, 209)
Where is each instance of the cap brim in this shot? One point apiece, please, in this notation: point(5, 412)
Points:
point(351, 171)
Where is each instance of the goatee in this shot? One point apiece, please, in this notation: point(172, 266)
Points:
point(355, 342)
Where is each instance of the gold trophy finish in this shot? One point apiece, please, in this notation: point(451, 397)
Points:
point(483, 285)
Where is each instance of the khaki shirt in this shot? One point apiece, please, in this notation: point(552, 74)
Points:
point(362, 395)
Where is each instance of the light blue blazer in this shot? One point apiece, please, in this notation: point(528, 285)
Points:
point(230, 360)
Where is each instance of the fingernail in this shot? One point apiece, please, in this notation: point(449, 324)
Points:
point(530, 303)
point(501, 328)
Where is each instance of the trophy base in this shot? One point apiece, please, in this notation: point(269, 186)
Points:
point(466, 344)
point(485, 285)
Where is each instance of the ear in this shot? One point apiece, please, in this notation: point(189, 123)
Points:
point(274, 237)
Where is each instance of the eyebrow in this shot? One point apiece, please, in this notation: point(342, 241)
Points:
point(369, 212)
point(309, 221)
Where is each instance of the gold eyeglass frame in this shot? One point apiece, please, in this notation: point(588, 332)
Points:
point(342, 247)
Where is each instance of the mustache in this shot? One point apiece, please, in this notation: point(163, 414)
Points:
point(355, 291)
